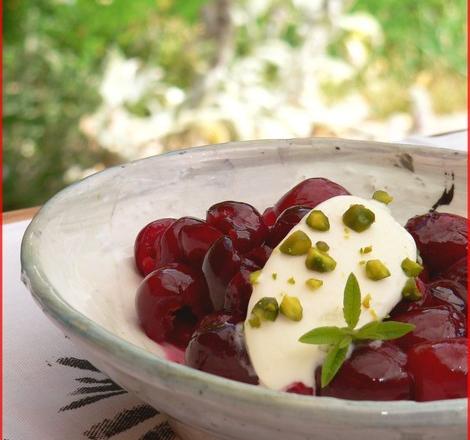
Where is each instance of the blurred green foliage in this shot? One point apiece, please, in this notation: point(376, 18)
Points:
point(55, 51)
point(53, 58)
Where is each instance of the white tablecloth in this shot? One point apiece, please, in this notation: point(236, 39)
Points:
point(50, 391)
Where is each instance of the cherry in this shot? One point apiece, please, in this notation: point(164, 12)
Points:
point(195, 240)
point(446, 292)
point(220, 264)
point(240, 221)
point(169, 247)
point(259, 255)
point(300, 388)
point(218, 347)
point(457, 273)
point(169, 302)
point(269, 216)
point(238, 295)
point(285, 222)
point(310, 193)
point(373, 372)
point(441, 239)
point(144, 246)
point(431, 324)
point(438, 293)
point(439, 369)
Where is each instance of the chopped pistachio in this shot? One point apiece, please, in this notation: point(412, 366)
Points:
point(319, 261)
point(274, 275)
point(291, 280)
point(382, 196)
point(253, 277)
point(254, 321)
point(291, 308)
point(358, 218)
point(411, 292)
point(297, 243)
point(366, 301)
point(322, 246)
point(376, 270)
point(411, 268)
point(318, 220)
point(366, 250)
point(362, 262)
point(266, 309)
point(313, 283)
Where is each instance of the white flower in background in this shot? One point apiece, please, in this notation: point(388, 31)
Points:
point(125, 80)
point(363, 34)
point(362, 24)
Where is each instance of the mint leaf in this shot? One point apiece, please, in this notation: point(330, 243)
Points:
point(333, 361)
point(323, 335)
point(383, 330)
point(352, 301)
point(344, 343)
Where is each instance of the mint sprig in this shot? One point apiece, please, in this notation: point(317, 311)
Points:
point(340, 338)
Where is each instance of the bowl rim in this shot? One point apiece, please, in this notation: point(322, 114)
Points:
point(113, 346)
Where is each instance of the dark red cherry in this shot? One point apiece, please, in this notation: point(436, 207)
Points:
point(439, 369)
point(259, 255)
point(170, 301)
point(300, 388)
point(373, 372)
point(218, 347)
point(431, 324)
point(424, 275)
point(285, 222)
point(441, 239)
point(457, 273)
point(438, 293)
point(240, 221)
point(195, 240)
point(220, 264)
point(446, 292)
point(144, 246)
point(170, 250)
point(310, 193)
point(238, 295)
point(269, 216)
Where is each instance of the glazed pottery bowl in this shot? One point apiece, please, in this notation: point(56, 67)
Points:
point(77, 262)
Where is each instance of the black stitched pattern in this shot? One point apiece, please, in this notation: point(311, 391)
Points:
point(98, 389)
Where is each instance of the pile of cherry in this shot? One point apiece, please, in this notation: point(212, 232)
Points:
point(196, 292)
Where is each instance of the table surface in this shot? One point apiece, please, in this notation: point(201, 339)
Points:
point(52, 392)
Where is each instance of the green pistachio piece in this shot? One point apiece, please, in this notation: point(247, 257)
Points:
point(322, 246)
point(313, 283)
point(266, 309)
point(365, 250)
point(291, 308)
point(358, 218)
point(253, 277)
point(411, 292)
point(319, 261)
point(297, 243)
point(291, 280)
point(318, 220)
point(274, 276)
point(254, 321)
point(382, 196)
point(411, 268)
point(376, 270)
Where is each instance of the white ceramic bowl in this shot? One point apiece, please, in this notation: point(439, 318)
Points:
point(77, 262)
